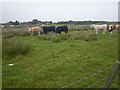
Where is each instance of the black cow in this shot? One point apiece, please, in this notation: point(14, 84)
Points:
point(48, 29)
point(59, 29)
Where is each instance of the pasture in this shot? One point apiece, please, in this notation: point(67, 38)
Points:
point(54, 61)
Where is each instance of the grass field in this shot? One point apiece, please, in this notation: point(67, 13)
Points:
point(56, 64)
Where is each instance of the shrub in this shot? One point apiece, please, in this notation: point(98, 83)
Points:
point(11, 48)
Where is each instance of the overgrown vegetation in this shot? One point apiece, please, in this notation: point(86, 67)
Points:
point(52, 65)
point(9, 34)
point(11, 48)
point(79, 36)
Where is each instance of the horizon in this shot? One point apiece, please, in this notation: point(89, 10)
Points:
point(64, 21)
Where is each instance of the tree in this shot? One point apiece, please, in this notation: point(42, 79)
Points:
point(11, 23)
point(35, 21)
point(17, 22)
point(50, 22)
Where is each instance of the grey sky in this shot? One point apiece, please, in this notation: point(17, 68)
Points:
point(44, 11)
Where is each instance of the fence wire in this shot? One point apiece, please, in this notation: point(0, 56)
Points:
point(87, 77)
point(104, 83)
point(96, 82)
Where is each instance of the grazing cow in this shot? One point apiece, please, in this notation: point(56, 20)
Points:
point(48, 28)
point(35, 29)
point(11, 26)
point(117, 27)
point(98, 27)
point(59, 29)
point(112, 27)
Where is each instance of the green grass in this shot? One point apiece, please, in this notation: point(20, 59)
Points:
point(56, 64)
point(10, 34)
point(12, 48)
point(78, 36)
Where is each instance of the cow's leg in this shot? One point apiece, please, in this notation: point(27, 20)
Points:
point(65, 32)
point(104, 31)
point(32, 33)
point(39, 33)
point(96, 31)
point(55, 32)
point(110, 33)
point(60, 33)
point(44, 32)
point(114, 31)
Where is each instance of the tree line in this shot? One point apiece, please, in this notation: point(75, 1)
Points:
point(35, 21)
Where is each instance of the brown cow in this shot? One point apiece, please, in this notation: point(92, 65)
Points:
point(111, 28)
point(35, 29)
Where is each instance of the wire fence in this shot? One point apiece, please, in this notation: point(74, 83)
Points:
point(96, 82)
point(99, 82)
point(89, 77)
point(104, 83)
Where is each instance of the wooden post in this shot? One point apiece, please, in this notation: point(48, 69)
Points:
point(114, 71)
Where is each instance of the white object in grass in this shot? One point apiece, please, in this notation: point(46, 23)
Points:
point(10, 64)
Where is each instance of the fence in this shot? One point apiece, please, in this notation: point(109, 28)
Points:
point(114, 71)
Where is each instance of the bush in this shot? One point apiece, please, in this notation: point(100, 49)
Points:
point(11, 48)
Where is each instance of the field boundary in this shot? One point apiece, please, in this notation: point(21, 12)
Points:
point(96, 82)
point(88, 77)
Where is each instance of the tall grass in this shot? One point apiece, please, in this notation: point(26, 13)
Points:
point(9, 34)
point(79, 36)
point(78, 27)
point(84, 36)
point(11, 48)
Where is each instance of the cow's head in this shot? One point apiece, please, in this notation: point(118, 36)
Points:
point(92, 26)
point(42, 25)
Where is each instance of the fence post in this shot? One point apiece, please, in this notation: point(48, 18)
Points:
point(111, 76)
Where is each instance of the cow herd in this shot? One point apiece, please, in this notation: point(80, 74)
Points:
point(111, 28)
point(38, 28)
point(46, 29)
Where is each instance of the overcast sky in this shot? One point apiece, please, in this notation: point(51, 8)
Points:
point(60, 11)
